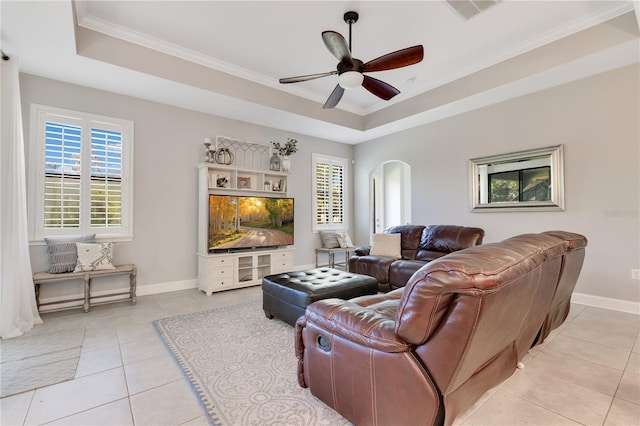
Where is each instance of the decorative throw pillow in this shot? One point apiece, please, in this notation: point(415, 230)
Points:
point(329, 239)
point(386, 245)
point(344, 240)
point(94, 256)
point(63, 253)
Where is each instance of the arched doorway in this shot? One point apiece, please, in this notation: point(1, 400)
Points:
point(389, 195)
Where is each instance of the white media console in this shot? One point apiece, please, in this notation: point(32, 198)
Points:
point(247, 176)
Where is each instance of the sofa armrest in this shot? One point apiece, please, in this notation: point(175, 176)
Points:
point(362, 251)
point(359, 324)
point(374, 266)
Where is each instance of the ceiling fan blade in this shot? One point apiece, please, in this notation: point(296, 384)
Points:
point(399, 58)
point(379, 88)
point(306, 77)
point(334, 97)
point(337, 45)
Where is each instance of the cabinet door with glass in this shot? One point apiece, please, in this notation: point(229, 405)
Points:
point(253, 267)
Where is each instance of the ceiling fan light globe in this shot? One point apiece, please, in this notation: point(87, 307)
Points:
point(350, 79)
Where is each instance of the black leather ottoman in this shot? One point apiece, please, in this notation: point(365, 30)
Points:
point(287, 295)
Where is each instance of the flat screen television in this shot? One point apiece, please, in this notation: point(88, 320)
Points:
point(238, 222)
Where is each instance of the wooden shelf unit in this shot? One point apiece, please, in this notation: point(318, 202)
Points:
point(223, 271)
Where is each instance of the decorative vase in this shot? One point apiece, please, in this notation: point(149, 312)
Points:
point(274, 162)
point(209, 153)
point(286, 162)
point(224, 156)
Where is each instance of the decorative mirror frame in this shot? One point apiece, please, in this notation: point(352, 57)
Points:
point(556, 162)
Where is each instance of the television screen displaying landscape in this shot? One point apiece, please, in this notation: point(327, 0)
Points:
point(240, 222)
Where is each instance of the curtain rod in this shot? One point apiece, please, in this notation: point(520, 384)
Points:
point(4, 55)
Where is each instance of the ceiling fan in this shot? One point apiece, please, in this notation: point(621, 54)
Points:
point(351, 71)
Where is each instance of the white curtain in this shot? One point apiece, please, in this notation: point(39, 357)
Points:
point(18, 310)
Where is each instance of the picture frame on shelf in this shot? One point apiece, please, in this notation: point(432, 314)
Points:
point(244, 182)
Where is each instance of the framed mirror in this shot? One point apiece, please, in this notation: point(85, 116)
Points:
point(519, 181)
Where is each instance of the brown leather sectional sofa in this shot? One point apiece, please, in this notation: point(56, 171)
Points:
point(419, 245)
point(425, 353)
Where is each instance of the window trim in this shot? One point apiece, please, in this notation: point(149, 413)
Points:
point(344, 162)
point(39, 114)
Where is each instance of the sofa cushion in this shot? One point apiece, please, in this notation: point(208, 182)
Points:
point(450, 238)
point(429, 256)
point(409, 240)
point(374, 266)
point(386, 245)
point(401, 270)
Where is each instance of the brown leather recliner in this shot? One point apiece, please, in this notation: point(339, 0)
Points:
point(571, 265)
point(419, 245)
point(423, 354)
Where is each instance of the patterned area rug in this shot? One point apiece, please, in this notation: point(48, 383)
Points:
point(243, 368)
point(30, 362)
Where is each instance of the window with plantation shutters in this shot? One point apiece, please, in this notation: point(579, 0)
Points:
point(106, 178)
point(329, 192)
point(62, 175)
point(83, 179)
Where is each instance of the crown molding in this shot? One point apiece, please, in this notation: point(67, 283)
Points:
point(605, 14)
point(144, 40)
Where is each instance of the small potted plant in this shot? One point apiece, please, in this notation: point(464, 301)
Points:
point(285, 150)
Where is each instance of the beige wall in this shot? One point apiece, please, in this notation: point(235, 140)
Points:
point(597, 120)
point(168, 147)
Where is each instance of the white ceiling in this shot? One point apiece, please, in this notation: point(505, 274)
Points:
point(265, 40)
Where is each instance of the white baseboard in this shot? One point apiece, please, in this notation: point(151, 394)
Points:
point(606, 303)
point(144, 290)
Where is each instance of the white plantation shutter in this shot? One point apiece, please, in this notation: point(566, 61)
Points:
point(337, 194)
point(83, 183)
point(329, 191)
point(62, 175)
point(322, 193)
point(106, 178)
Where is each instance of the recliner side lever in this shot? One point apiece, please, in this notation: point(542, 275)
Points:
point(324, 343)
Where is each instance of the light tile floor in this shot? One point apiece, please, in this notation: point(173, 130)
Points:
point(587, 372)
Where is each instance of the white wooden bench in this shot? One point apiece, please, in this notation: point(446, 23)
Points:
point(40, 278)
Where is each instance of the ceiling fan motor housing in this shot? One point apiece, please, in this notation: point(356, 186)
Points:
point(355, 66)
